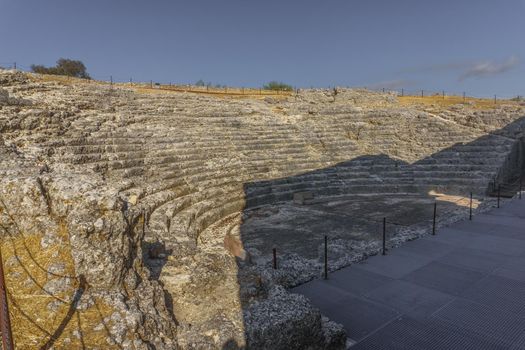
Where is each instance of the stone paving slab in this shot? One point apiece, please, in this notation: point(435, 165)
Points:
point(500, 244)
point(474, 259)
point(426, 247)
point(364, 316)
point(500, 293)
point(409, 334)
point(368, 281)
point(411, 299)
point(454, 237)
point(461, 289)
point(514, 268)
point(445, 278)
point(503, 220)
point(503, 327)
point(394, 265)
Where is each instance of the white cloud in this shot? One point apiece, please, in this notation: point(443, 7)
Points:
point(488, 68)
point(470, 69)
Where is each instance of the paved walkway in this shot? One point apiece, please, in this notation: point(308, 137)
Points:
point(461, 289)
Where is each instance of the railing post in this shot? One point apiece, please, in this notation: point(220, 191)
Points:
point(325, 257)
point(384, 236)
point(499, 193)
point(470, 214)
point(434, 220)
point(5, 322)
point(274, 251)
point(143, 222)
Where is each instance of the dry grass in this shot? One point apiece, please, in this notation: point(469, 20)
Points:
point(60, 79)
point(438, 100)
point(228, 93)
point(41, 318)
point(167, 89)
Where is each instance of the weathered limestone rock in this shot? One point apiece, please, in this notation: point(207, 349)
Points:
point(302, 197)
point(288, 321)
point(142, 218)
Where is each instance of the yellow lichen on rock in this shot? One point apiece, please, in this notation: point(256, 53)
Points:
point(47, 304)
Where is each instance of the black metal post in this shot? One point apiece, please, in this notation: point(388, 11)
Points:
point(384, 236)
point(402, 92)
point(274, 259)
point(499, 193)
point(421, 93)
point(520, 188)
point(325, 257)
point(470, 215)
point(434, 220)
point(143, 222)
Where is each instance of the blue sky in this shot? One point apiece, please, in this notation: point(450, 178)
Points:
point(477, 46)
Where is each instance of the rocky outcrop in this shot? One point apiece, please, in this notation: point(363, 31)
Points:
point(77, 242)
point(142, 218)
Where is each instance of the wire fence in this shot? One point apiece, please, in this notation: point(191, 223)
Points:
point(204, 88)
point(446, 95)
point(209, 88)
point(513, 189)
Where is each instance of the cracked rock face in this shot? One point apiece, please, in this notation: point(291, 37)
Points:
point(145, 219)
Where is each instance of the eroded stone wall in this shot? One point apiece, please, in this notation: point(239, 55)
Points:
point(145, 195)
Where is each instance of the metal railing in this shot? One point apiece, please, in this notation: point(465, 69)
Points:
point(384, 249)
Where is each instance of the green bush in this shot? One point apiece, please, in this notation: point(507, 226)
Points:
point(279, 86)
point(64, 66)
